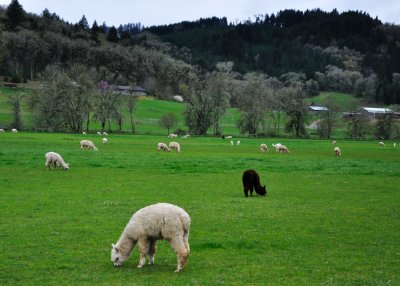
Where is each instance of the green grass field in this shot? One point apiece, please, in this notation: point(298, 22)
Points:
point(325, 220)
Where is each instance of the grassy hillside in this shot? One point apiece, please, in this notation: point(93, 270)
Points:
point(325, 220)
point(149, 111)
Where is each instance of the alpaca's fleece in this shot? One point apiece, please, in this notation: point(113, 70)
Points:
point(149, 224)
point(264, 147)
point(14, 130)
point(105, 141)
point(277, 146)
point(87, 144)
point(163, 146)
point(337, 151)
point(174, 145)
point(56, 160)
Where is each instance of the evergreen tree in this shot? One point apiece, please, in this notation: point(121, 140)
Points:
point(15, 14)
point(113, 35)
point(83, 23)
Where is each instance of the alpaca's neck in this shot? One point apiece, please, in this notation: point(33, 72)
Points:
point(125, 244)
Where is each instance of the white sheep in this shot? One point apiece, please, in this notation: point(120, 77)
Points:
point(83, 133)
point(105, 133)
point(1, 130)
point(98, 133)
point(238, 143)
point(55, 159)
point(105, 140)
point(163, 146)
point(334, 142)
point(87, 144)
point(382, 144)
point(175, 145)
point(14, 130)
point(149, 224)
point(337, 152)
point(264, 147)
point(172, 135)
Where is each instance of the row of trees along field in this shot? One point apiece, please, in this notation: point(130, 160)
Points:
point(270, 65)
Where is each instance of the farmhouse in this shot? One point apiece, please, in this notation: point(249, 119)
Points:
point(317, 109)
point(373, 112)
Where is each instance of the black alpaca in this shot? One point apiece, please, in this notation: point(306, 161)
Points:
point(250, 181)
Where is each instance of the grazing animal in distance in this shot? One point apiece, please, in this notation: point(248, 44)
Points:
point(264, 147)
point(337, 152)
point(105, 140)
point(382, 144)
point(163, 146)
point(334, 142)
point(152, 223)
point(55, 159)
point(174, 145)
point(14, 130)
point(87, 144)
point(251, 181)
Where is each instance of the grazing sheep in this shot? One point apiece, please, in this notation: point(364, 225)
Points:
point(1, 130)
point(238, 143)
point(283, 149)
point(83, 133)
point(98, 133)
point(105, 140)
point(333, 142)
point(56, 160)
point(251, 181)
point(337, 152)
point(186, 136)
point(105, 133)
point(87, 144)
point(163, 146)
point(232, 142)
point(172, 135)
point(264, 147)
point(228, 137)
point(149, 224)
point(382, 144)
point(14, 130)
point(174, 145)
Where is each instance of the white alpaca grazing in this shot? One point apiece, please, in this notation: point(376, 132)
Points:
point(337, 152)
point(87, 144)
point(283, 149)
point(105, 133)
point(152, 223)
point(174, 145)
point(232, 142)
point(382, 144)
point(228, 137)
point(264, 147)
point(83, 133)
point(333, 142)
point(56, 160)
point(277, 146)
point(1, 130)
point(172, 135)
point(98, 133)
point(163, 146)
point(105, 140)
point(14, 130)
point(238, 143)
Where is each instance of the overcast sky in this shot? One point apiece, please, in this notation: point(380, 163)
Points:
point(160, 12)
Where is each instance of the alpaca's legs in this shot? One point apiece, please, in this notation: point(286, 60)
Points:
point(144, 246)
point(152, 251)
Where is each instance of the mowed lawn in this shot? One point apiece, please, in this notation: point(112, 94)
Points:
point(325, 220)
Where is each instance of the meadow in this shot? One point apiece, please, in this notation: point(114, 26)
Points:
point(325, 220)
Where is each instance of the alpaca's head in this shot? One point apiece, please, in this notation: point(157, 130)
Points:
point(261, 191)
point(117, 257)
point(66, 167)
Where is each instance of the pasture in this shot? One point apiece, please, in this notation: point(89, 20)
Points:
point(325, 220)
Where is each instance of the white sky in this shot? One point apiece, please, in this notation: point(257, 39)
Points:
point(160, 12)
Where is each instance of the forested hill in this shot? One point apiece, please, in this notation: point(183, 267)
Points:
point(348, 52)
point(287, 41)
